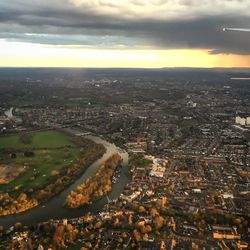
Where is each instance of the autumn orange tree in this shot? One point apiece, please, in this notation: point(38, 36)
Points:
point(96, 186)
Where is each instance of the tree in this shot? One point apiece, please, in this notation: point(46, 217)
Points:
point(142, 209)
point(25, 138)
point(98, 225)
point(148, 229)
point(159, 221)
point(18, 226)
point(137, 235)
point(58, 238)
point(154, 212)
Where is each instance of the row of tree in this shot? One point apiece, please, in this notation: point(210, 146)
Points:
point(15, 206)
point(96, 186)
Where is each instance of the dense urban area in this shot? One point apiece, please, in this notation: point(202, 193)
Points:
point(187, 134)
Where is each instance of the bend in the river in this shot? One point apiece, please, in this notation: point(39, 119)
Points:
point(54, 208)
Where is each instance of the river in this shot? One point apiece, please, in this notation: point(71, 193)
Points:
point(54, 208)
point(9, 113)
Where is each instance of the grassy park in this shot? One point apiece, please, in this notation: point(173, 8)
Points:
point(51, 151)
point(50, 139)
point(36, 166)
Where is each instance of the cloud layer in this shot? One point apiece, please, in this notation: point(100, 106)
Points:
point(128, 24)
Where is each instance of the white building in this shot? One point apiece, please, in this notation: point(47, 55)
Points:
point(243, 121)
point(157, 171)
point(248, 120)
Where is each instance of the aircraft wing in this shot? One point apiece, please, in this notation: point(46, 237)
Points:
point(236, 29)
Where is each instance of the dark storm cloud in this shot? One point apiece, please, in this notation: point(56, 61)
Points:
point(202, 33)
point(63, 23)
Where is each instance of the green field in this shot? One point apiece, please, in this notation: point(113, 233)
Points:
point(51, 139)
point(53, 150)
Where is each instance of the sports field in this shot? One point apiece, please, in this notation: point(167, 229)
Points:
point(51, 152)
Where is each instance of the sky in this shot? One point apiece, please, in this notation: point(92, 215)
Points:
point(124, 33)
